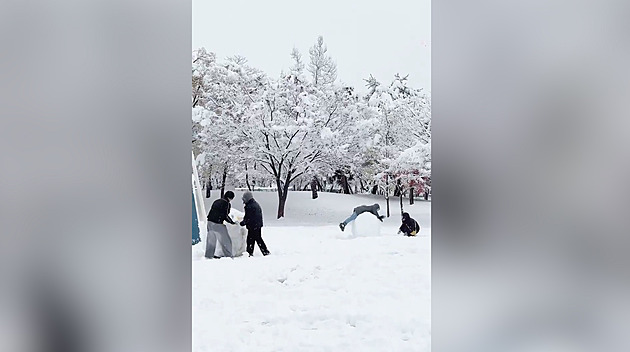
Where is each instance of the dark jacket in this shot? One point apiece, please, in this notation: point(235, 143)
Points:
point(220, 212)
point(253, 218)
point(409, 225)
point(367, 209)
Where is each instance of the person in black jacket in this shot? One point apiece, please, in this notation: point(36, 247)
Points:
point(409, 227)
point(253, 220)
point(219, 213)
point(360, 210)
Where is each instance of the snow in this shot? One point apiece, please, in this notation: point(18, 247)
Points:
point(327, 133)
point(238, 235)
point(366, 225)
point(320, 289)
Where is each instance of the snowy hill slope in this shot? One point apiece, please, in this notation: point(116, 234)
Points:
point(318, 290)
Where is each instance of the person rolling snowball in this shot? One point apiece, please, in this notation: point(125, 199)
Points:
point(253, 220)
point(216, 229)
point(360, 210)
point(409, 227)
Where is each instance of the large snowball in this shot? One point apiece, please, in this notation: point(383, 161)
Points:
point(238, 235)
point(366, 225)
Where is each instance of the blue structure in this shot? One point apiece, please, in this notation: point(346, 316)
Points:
point(195, 223)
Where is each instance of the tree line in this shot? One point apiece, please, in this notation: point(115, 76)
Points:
point(304, 130)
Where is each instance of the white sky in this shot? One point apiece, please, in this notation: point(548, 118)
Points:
point(364, 37)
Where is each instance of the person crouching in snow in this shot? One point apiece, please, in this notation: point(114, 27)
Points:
point(216, 229)
point(409, 227)
point(360, 210)
point(253, 220)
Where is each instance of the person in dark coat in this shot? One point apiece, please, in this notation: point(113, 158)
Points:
point(253, 220)
point(219, 213)
point(374, 208)
point(409, 227)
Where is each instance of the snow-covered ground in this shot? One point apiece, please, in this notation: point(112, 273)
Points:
point(320, 289)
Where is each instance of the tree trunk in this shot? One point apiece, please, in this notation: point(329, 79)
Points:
point(282, 200)
point(387, 193)
point(401, 204)
point(282, 197)
point(411, 196)
point(374, 189)
point(283, 192)
point(344, 182)
point(426, 195)
point(223, 181)
point(314, 188)
point(209, 187)
point(249, 187)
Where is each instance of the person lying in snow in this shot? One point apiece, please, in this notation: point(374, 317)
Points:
point(409, 227)
point(216, 229)
point(360, 210)
point(253, 220)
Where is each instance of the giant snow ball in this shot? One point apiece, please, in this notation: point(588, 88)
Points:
point(366, 225)
point(238, 235)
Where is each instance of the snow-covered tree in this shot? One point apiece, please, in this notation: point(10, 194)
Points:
point(298, 66)
point(287, 131)
point(400, 154)
point(322, 66)
point(303, 129)
point(413, 165)
point(219, 115)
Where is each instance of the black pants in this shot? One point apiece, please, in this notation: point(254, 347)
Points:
point(256, 236)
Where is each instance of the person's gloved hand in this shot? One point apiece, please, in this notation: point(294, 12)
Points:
point(399, 232)
point(381, 217)
point(242, 223)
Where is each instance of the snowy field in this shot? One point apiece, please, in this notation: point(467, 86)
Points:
point(320, 289)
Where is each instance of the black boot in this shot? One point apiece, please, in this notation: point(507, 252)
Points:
point(342, 226)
